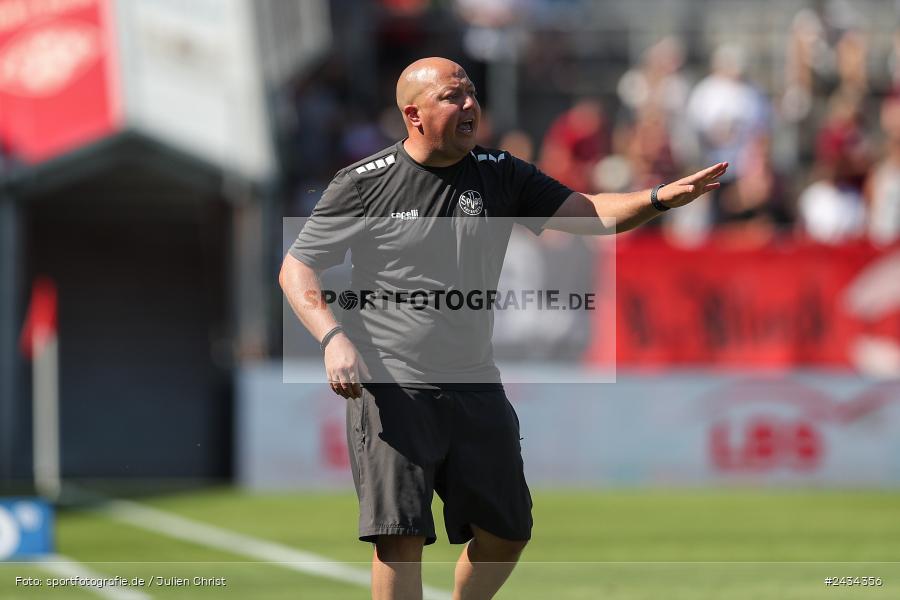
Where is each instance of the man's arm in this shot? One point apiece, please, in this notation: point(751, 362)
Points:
point(343, 364)
point(604, 214)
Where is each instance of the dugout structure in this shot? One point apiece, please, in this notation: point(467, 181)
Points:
point(139, 173)
point(138, 240)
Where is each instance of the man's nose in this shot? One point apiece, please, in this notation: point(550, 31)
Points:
point(469, 102)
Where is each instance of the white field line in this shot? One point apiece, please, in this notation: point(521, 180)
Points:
point(188, 530)
point(65, 567)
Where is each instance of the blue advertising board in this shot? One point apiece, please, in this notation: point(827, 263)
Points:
point(26, 528)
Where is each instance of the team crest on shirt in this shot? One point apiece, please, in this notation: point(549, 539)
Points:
point(471, 203)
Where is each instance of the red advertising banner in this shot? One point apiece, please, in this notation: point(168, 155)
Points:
point(57, 79)
point(790, 304)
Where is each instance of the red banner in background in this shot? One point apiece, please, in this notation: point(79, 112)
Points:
point(57, 84)
point(786, 305)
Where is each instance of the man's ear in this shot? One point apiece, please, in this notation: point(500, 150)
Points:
point(411, 112)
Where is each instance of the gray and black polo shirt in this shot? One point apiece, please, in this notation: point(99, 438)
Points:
point(439, 232)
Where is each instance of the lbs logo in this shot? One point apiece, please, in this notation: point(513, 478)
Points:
point(26, 528)
point(471, 203)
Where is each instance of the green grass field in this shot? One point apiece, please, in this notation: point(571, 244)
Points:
point(624, 545)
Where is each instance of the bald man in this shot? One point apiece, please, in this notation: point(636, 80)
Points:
point(426, 408)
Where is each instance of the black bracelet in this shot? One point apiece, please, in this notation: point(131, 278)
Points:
point(655, 201)
point(328, 336)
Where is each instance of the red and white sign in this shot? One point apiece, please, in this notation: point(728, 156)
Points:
point(784, 305)
point(790, 429)
point(58, 88)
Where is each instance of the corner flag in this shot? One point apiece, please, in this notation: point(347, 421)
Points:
point(40, 323)
point(39, 343)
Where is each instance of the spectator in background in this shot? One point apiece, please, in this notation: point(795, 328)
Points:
point(851, 57)
point(841, 142)
point(643, 154)
point(725, 111)
point(831, 212)
point(882, 189)
point(831, 209)
point(574, 144)
point(519, 144)
point(363, 135)
point(657, 81)
point(826, 51)
point(491, 14)
point(755, 206)
point(727, 114)
point(658, 84)
point(649, 150)
point(653, 137)
point(806, 61)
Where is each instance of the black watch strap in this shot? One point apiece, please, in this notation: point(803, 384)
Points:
point(655, 201)
point(329, 336)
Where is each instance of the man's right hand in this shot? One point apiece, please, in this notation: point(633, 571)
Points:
point(345, 367)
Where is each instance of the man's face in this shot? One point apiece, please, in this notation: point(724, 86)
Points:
point(450, 113)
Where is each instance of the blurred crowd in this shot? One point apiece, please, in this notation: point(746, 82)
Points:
point(815, 155)
point(836, 176)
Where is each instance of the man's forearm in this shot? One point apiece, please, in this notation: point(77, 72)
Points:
point(603, 214)
point(622, 212)
point(304, 293)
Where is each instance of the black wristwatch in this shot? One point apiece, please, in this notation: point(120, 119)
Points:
point(655, 201)
point(329, 336)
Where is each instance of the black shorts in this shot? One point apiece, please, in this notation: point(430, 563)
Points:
point(407, 443)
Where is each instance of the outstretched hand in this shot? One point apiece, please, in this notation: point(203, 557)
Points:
point(688, 189)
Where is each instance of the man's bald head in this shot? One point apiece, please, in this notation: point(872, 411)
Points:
point(421, 75)
point(440, 110)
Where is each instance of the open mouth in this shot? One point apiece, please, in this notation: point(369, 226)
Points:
point(467, 126)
